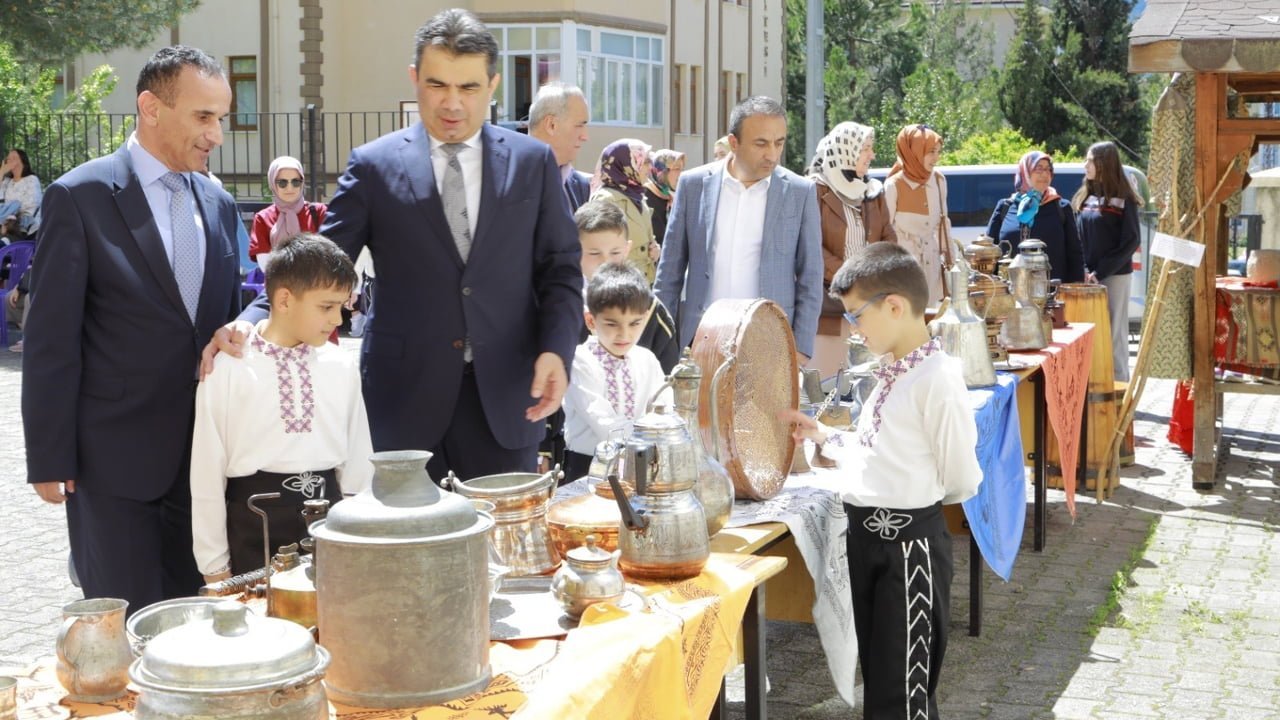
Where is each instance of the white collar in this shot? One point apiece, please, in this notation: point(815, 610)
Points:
point(471, 142)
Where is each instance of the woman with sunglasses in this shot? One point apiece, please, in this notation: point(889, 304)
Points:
point(289, 215)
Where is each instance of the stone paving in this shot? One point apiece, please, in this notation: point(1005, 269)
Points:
point(1162, 602)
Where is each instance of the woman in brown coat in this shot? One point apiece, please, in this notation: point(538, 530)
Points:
point(854, 214)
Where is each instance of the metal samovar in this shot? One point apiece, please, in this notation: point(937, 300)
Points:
point(1029, 276)
point(714, 487)
point(963, 334)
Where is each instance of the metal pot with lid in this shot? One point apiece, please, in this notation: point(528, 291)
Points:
point(233, 666)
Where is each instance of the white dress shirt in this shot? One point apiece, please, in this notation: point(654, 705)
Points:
point(737, 239)
point(916, 439)
point(472, 160)
point(589, 414)
point(239, 430)
point(149, 171)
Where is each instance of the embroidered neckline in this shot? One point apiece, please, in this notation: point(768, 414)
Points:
point(295, 413)
point(617, 372)
point(888, 376)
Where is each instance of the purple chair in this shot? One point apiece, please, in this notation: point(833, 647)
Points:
point(17, 254)
point(252, 285)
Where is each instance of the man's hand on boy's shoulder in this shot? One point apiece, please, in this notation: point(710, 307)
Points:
point(230, 339)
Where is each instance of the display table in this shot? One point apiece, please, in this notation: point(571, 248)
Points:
point(667, 661)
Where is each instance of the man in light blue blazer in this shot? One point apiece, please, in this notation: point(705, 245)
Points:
point(745, 227)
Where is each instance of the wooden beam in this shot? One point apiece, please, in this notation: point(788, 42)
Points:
point(1248, 126)
point(1211, 99)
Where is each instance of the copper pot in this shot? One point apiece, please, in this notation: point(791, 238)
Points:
point(596, 513)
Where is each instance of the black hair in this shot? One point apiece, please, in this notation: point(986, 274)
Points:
point(161, 72)
point(26, 161)
point(754, 105)
point(883, 268)
point(460, 33)
point(618, 286)
point(309, 261)
point(600, 215)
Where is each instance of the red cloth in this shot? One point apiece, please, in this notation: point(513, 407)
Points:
point(1065, 364)
point(1182, 426)
point(310, 220)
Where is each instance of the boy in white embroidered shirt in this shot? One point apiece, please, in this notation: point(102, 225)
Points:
point(912, 451)
point(613, 377)
point(287, 417)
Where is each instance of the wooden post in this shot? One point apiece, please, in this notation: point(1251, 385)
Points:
point(1211, 98)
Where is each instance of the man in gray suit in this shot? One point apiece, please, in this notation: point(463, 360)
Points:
point(745, 228)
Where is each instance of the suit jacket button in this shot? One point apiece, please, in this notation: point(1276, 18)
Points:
point(457, 345)
point(466, 291)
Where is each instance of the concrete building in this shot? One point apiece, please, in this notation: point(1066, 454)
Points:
point(667, 73)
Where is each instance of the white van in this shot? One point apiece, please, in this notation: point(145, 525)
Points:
point(974, 190)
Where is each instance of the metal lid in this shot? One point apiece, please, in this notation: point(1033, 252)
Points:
point(234, 649)
point(588, 556)
point(661, 427)
point(402, 503)
point(687, 368)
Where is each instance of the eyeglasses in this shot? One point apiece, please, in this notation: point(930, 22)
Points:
point(282, 183)
point(853, 317)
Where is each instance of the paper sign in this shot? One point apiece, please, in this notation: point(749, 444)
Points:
point(1177, 249)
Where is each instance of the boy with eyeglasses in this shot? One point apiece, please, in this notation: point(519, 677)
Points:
point(912, 451)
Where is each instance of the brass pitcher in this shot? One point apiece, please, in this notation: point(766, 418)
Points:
point(93, 650)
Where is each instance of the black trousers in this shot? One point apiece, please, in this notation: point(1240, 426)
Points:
point(575, 465)
point(469, 448)
point(900, 570)
point(284, 514)
point(136, 550)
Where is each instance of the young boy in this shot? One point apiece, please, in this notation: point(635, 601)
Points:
point(286, 417)
point(613, 377)
point(913, 450)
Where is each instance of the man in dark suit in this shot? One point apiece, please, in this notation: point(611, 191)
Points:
point(479, 289)
point(137, 269)
point(559, 117)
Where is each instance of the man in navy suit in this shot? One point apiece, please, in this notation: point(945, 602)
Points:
point(479, 286)
point(559, 117)
point(137, 269)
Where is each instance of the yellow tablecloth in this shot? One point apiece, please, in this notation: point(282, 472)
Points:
point(665, 661)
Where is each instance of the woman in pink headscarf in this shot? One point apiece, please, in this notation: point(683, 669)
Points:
point(289, 215)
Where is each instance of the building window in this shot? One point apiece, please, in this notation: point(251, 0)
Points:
point(677, 99)
point(694, 72)
point(742, 87)
point(621, 73)
point(244, 92)
point(726, 96)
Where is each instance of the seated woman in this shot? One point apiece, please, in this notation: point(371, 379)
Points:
point(19, 196)
point(1048, 217)
point(288, 216)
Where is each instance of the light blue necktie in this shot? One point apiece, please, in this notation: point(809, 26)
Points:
point(186, 242)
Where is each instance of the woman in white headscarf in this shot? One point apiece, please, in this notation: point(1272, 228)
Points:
point(854, 215)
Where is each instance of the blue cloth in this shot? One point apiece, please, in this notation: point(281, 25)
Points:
point(1028, 206)
point(998, 512)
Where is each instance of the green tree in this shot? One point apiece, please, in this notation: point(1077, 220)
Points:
point(1096, 98)
point(1025, 94)
point(52, 31)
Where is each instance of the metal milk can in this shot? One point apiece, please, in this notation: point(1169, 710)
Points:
point(93, 650)
point(402, 586)
point(963, 334)
point(664, 529)
point(520, 499)
point(713, 487)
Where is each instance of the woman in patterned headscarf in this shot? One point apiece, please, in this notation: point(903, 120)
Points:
point(1037, 206)
point(854, 215)
point(916, 196)
point(619, 179)
point(660, 189)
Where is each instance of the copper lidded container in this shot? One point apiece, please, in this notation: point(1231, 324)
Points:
point(595, 512)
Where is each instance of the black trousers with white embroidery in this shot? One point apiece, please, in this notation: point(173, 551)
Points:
point(900, 569)
point(284, 514)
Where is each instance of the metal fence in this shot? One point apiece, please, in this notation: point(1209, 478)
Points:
point(57, 142)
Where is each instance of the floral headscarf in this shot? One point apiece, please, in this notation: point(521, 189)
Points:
point(914, 142)
point(659, 163)
point(1022, 176)
point(835, 161)
point(619, 169)
point(287, 221)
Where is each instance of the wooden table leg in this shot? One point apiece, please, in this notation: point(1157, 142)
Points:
point(975, 587)
point(753, 645)
point(1041, 459)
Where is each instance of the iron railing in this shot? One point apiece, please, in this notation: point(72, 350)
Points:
point(57, 142)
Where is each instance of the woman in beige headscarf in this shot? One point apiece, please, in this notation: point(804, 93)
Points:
point(854, 214)
point(916, 195)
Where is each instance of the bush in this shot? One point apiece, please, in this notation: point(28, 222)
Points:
point(1001, 147)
